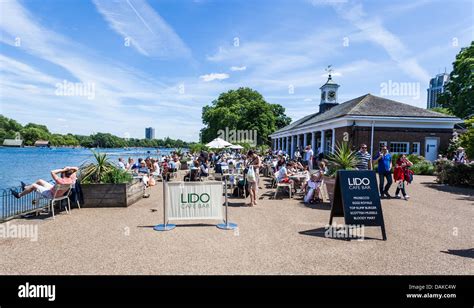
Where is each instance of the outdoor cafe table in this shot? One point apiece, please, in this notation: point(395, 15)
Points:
point(301, 178)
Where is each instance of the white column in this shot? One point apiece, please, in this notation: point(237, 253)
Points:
point(305, 140)
point(313, 143)
point(298, 141)
point(288, 150)
point(322, 141)
point(333, 141)
point(292, 146)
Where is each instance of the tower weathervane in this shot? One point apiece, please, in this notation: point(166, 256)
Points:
point(329, 70)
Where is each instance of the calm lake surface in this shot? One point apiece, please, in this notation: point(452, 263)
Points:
point(30, 164)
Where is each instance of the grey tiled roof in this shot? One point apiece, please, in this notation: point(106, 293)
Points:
point(366, 105)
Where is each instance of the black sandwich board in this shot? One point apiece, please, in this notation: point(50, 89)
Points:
point(357, 199)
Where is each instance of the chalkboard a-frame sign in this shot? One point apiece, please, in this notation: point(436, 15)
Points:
point(356, 198)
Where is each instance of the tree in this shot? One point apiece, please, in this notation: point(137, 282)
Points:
point(243, 109)
point(38, 126)
point(459, 94)
point(467, 139)
point(9, 124)
point(31, 134)
point(443, 110)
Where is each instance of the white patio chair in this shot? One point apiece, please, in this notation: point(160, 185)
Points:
point(57, 198)
point(282, 185)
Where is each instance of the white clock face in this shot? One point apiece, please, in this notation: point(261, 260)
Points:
point(332, 95)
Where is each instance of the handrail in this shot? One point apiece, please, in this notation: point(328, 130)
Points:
point(11, 207)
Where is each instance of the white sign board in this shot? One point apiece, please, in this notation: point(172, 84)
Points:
point(194, 200)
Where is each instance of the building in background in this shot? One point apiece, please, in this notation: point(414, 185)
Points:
point(437, 85)
point(149, 133)
point(368, 119)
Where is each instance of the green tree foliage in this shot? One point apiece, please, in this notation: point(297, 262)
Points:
point(242, 109)
point(32, 132)
point(466, 140)
point(459, 94)
point(443, 110)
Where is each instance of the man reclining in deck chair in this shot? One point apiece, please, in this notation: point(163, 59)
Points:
point(68, 176)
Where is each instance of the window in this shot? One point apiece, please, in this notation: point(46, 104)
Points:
point(399, 147)
point(415, 148)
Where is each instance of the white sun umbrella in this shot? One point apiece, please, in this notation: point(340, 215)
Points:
point(235, 147)
point(218, 143)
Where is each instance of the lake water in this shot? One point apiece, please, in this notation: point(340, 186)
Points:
point(30, 164)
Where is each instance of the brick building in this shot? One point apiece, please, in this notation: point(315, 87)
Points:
point(371, 120)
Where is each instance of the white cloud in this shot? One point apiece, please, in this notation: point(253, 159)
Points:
point(214, 76)
point(118, 88)
point(147, 31)
point(371, 29)
point(238, 68)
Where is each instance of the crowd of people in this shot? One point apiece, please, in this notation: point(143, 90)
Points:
point(305, 170)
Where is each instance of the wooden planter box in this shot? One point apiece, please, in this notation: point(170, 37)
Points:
point(112, 195)
point(330, 185)
point(184, 166)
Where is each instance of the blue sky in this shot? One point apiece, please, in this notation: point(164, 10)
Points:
point(158, 62)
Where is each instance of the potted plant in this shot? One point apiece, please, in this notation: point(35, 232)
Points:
point(106, 185)
point(343, 158)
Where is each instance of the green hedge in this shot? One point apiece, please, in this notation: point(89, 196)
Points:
point(450, 173)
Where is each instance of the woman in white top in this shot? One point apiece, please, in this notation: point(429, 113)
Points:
point(255, 162)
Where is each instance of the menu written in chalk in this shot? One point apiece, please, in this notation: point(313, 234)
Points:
point(356, 198)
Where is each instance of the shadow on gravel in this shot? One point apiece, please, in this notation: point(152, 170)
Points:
point(318, 206)
point(182, 225)
point(468, 193)
point(466, 253)
point(321, 232)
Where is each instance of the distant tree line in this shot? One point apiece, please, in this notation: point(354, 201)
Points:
point(32, 132)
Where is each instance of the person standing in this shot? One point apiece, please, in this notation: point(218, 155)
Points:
point(297, 154)
point(364, 159)
point(460, 156)
point(400, 174)
point(255, 163)
point(308, 157)
point(384, 160)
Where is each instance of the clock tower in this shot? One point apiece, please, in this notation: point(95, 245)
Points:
point(328, 93)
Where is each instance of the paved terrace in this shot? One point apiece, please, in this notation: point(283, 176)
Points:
point(276, 237)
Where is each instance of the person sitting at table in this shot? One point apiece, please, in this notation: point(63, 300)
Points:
point(305, 180)
point(313, 188)
point(283, 175)
point(299, 166)
point(144, 173)
point(203, 168)
point(323, 168)
point(130, 163)
point(281, 162)
point(193, 173)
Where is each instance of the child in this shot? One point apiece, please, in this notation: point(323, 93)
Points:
point(400, 174)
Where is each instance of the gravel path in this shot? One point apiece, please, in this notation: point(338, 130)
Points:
point(432, 233)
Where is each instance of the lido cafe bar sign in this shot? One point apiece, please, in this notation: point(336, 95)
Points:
point(356, 198)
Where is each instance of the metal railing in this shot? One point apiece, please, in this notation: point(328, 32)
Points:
point(11, 207)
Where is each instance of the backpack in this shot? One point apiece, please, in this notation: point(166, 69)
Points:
point(409, 176)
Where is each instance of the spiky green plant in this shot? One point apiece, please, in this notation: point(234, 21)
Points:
point(343, 158)
point(179, 152)
point(94, 173)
